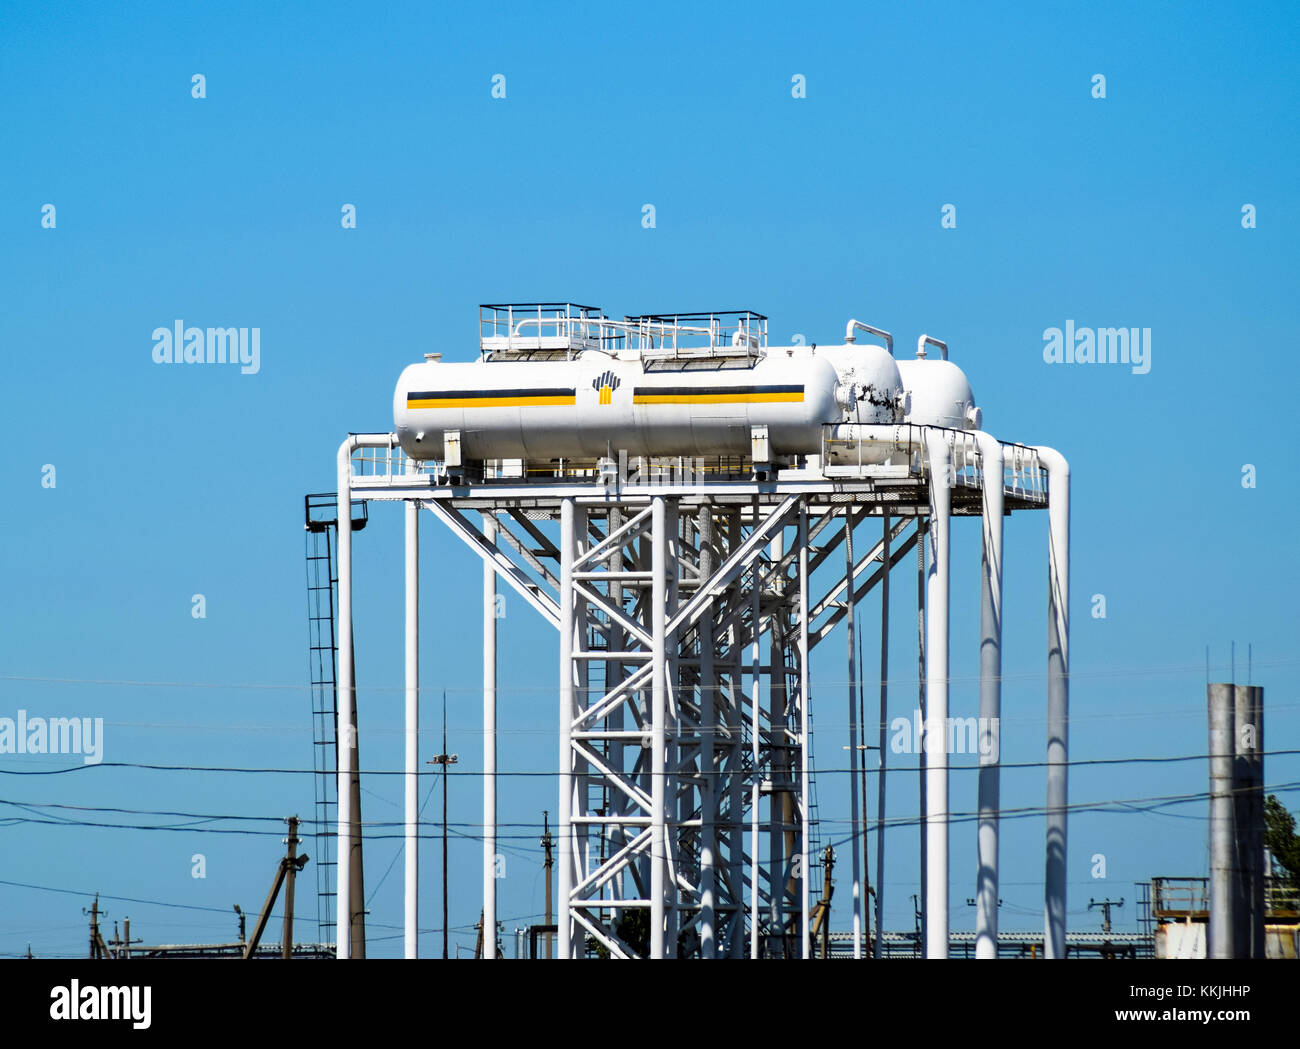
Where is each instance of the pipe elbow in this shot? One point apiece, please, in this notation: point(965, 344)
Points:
point(1054, 461)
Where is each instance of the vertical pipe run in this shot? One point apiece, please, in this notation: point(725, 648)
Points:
point(1058, 698)
point(884, 722)
point(566, 726)
point(756, 668)
point(658, 714)
point(854, 815)
point(346, 706)
point(922, 528)
point(805, 794)
point(489, 745)
point(935, 725)
point(1223, 895)
point(990, 722)
point(411, 848)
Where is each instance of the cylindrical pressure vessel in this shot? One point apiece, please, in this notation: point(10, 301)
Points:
point(599, 404)
point(938, 394)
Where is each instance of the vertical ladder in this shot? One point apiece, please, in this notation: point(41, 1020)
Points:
point(321, 518)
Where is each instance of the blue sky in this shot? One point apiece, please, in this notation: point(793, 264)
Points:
point(172, 481)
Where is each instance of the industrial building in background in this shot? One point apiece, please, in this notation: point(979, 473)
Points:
point(695, 511)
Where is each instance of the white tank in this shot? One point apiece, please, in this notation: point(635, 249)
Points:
point(938, 394)
point(598, 404)
point(872, 385)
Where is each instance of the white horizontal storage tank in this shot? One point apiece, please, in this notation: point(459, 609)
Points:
point(599, 404)
point(938, 394)
point(872, 384)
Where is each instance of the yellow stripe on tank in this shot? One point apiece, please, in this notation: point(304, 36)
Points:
point(715, 398)
point(493, 402)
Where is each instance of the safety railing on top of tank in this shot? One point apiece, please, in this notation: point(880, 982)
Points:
point(686, 336)
point(531, 327)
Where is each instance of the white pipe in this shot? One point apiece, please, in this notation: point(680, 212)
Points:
point(854, 815)
point(658, 715)
point(345, 728)
point(990, 723)
point(879, 332)
point(756, 671)
point(926, 340)
point(411, 847)
point(566, 726)
point(936, 693)
point(1058, 697)
point(805, 793)
point(489, 745)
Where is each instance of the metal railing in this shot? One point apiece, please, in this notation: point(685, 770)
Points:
point(530, 328)
point(1180, 897)
point(1023, 475)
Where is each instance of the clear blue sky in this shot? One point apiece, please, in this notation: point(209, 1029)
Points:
point(172, 481)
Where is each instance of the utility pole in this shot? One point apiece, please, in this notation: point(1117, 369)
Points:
point(98, 949)
point(547, 863)
point(291, 869)
point(916, 916)
point(290, 864)
point(828, 865)
point(1105, 906)
point(444, 759)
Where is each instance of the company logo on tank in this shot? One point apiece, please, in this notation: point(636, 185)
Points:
point(606, 383)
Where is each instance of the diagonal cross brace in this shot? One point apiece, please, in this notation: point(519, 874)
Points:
point(502, 565)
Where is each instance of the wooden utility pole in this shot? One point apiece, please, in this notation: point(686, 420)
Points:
point(98, 949)
point(290, 865)
point(549, 862)
point(291, 868)
point(828, 865)
point(94, 927)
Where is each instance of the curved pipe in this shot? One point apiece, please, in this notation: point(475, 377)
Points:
point(879, 332)
point(926, 340)
point(939, 457)
point(1058, 696)
point(990, 720)
point(349, 831)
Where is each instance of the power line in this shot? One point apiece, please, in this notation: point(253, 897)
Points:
point(472, 690)
point(534, 773)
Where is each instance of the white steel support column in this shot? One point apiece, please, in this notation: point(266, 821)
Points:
point(935, 729)
point(781, 774)
point(1058, 697)
point(805, 793)
point(489, 745)
point(567, 711)
point(411, 776)
point(886, 567)
point(854, 753)
point(708, 738)
point(990, 723)
point(756, 671)
point(348, 841)
point(346, 706)
point(658, 715)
